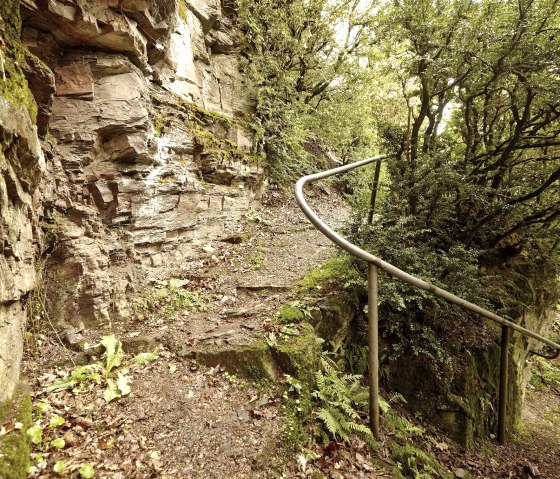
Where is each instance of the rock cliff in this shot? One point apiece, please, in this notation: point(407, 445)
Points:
point(123, 149)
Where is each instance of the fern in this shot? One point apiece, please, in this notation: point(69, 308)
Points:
point(336, 393)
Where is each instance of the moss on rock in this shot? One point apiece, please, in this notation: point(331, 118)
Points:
point(13, 84)
point(337, 274)
point(300, 356)
point(15, 447)
point(290, 314)
point(253, 361)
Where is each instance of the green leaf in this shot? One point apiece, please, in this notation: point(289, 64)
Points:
point(122, 384)
point(36, 434)
point(79, 375)
point(59, 467)
point(113, 353)
point(86, 471)
point(144, 358)
point(56, 421)
point(59, 443)
point(111, 391)
point(383, 405)
point(178, 283)
point(118, 388)
point(42, 406)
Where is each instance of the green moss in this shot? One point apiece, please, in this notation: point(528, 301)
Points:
point(9, 11)
point(13, 84)
point(253, 361)
point(183, 10)
point(159, 124)
point(336, 274)
point(300, 356)
point(546, 373)
point(210, 128)
point(289, 314)
point(15, 447)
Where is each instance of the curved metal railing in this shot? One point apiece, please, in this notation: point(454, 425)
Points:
point(373, 264)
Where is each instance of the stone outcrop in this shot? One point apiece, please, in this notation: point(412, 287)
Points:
point(123, 154)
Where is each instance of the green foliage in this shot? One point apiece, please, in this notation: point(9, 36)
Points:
point(545, 373)
point(59, 467)
point(303, 57)
point(167, 298)
point(87, 471)
point(471, 200)
point(414, 463)
point(113, 353)
point(15, 446)
point(78, 380)
point(116, 380)
point(13, 84)
point(356, 357)
point(294, 312)
point(144, 358)
point(337, 273)
point(337, 412)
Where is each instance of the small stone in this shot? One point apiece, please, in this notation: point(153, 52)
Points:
point(208, 249)
point(460, 473)
point(71, 439)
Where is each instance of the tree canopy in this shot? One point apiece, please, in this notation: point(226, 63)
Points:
point(465, 93)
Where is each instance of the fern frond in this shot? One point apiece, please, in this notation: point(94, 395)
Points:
point(364, 433)
point(330, 422)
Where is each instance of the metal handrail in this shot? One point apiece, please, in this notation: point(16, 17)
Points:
point(373, 263)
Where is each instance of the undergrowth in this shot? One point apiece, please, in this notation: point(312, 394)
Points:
point(167, 299)
point(336, 274)
point(337, 397)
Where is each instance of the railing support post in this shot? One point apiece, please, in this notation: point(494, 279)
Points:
point(374, 189)
point(502, 407)
point(373, 335)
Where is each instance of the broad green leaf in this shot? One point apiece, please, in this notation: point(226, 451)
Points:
point(86, 471)
point(113, 353)
point(122, 384)
point(59, 467)
point(59, 443)
point(56, 421)
point(111, 391)
point(144, 358)
point(36, 434)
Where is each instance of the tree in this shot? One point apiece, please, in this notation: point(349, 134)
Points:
point(304, 58)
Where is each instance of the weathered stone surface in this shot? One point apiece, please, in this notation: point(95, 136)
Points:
point(21, 167)
point(207, 11)
point(122, 195)
point(41, 83)
point(75, 80)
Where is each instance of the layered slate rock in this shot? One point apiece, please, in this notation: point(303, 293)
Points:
point(144, 166)
point(116, 160)
point(21, 166)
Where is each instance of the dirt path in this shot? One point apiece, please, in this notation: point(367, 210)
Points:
point(181, 419)
point(186, 420)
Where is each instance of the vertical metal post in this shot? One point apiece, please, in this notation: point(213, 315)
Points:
point(502, 407)
point(374, 189)
point(373, 351)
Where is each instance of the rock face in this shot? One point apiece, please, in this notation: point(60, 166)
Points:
point(124, 151)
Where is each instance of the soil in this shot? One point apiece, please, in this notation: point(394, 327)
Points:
point(183, 419)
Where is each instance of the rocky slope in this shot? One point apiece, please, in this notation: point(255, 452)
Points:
point(123, 150)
